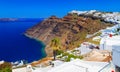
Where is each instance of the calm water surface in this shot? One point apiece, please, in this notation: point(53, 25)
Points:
point(14, 45)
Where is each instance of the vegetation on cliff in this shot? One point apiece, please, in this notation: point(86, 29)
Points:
point(72, 30)
point(55, 45)
point(6, 67)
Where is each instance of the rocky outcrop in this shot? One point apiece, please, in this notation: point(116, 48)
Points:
point(71, 29)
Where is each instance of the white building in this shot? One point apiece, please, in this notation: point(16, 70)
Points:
point(116, 57)
point(111, 30)
point(109, 17)
point(84, 48)
point(108, 43)
point(83, 66)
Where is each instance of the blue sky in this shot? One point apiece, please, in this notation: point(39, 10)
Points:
point(46, 8)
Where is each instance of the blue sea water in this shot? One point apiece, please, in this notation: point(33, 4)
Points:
point(15, 46)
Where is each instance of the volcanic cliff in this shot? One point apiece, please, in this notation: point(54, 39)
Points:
point(72, 29)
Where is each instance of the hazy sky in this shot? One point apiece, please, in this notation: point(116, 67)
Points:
point(46, 8)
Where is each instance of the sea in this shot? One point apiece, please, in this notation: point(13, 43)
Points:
point(15, 46)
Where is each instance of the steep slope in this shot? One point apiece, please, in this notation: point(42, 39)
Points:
point(71, 29)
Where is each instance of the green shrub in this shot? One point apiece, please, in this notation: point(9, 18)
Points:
point(6, 67)
point(67, 59)
point(59, 52)
point(74, 51)
point(80, 57)
point(65, 54)
point(73, 56)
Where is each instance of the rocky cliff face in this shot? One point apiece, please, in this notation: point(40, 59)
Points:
point(71, 29)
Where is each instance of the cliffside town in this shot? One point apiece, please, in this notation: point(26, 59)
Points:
point(72, 29)
point(90, 40)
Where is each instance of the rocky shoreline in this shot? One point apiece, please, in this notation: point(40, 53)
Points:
point(38, 41)
point(46, 51)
